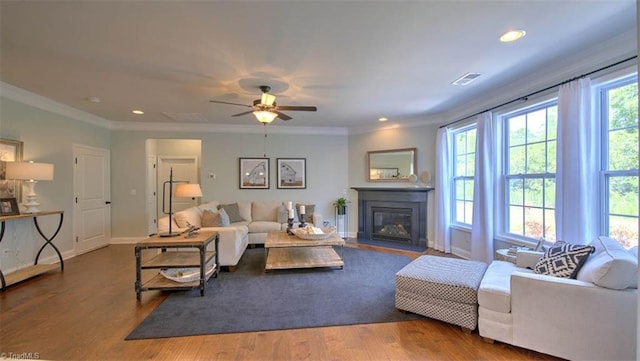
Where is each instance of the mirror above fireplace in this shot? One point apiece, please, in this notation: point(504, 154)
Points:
point(391, 165)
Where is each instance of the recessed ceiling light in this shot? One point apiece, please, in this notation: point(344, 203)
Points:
point(139, 112)
point(382, 119)
point(512, 35)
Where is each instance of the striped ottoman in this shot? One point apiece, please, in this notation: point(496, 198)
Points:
point(442, 288)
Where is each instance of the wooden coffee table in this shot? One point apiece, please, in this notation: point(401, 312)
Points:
point(284, 251)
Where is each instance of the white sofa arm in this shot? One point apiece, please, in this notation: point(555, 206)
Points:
point(573, 319)
point(527, 259)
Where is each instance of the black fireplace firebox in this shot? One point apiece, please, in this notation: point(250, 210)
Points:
point(391, 224)
point(393, 215)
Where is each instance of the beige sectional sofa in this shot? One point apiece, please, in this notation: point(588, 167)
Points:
point(249, 222)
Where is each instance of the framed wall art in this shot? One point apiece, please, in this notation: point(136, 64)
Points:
point(254, 173)
point(10, 151)
point(8, 207)
point(292, 173)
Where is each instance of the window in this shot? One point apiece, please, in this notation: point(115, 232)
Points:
point(619, 114)
point(464, 154)
point(530, 165)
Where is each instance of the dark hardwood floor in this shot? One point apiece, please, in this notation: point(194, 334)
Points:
point(85, 312)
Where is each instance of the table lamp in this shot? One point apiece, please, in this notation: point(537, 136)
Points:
point(31, 173)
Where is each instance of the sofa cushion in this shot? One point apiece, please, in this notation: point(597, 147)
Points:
point(263, 226)
point(495, 288)
point(309, 209)
point(610, 266)
point(563, 260)
point(215, 219)
point(233, 212)
point(265, 211)
point(190, 216)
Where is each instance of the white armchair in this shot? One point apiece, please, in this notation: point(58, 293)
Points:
point(569, 318)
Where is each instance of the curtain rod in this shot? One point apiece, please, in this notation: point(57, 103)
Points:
point(526, 97)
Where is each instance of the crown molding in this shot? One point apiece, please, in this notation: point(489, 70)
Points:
point(225, 128)
point(26, 97)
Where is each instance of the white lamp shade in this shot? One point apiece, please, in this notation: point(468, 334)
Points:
point(191, 190)
point(265, 116)
point(29, 171)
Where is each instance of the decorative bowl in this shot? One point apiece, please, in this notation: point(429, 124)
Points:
point(184, 275)
point(327, 232)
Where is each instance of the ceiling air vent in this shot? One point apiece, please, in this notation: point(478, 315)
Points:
point(466, 79)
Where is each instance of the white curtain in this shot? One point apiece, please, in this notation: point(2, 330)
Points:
point(577, 164)
point(483, 190)
point(442, 241)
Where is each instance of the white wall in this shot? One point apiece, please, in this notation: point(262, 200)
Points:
point(327, 170)
point(47, 137)
point(422, 137)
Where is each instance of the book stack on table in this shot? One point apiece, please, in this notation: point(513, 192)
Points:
point(513, 250)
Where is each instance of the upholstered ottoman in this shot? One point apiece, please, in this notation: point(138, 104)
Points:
point(442, 288)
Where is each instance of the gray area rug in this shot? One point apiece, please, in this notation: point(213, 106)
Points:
point(252, 300)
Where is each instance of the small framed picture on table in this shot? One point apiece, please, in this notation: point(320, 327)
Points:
point(9, 207)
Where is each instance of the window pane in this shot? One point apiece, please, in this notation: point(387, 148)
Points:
point(551, 156)
point(623, 149)
point(536, 126)
point(623, 106)
point(459, 193)
point(517, 130)
point(471, 141)
point(534, 225)
point(550, 225)
point(552, 121)
point(461, 165)
point(459, 211)
point(623, 195)
point(533, 193)
point(536, 158)
point(468, 213)
point(517, 160)
point(516, 215)
point(468, 191)
point(624, 230)
point(550, 193)
point(515, 191)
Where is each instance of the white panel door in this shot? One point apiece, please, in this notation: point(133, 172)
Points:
point(92, 211)
point(185, 169)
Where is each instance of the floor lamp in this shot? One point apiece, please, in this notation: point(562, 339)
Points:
point(31, 173)
point(183, 189)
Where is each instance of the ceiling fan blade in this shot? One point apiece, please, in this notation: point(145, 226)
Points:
point(220, 102)
point(283, 116)
point(243, 113)
point(301, 108)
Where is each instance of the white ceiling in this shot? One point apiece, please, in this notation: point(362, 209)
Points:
point(355, 60)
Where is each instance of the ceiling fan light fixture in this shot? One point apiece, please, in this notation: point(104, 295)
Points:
point(267, 99)
point(264, 116)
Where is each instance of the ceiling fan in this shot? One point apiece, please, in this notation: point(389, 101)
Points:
point(265, 109)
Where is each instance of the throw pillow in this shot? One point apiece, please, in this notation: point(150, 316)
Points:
point(233, 212)
point(308, 212)
point(224, 218)
point(210, 219)
point(563, 260)
point(610, 266)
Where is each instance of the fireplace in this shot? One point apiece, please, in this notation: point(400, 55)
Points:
point(393, 215)
point(391, 224)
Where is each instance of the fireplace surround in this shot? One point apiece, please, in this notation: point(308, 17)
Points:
point(393, 214)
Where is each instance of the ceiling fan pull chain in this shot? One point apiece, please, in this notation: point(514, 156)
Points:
point(265, 141)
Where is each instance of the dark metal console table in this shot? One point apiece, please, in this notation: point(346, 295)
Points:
point(36, 269)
